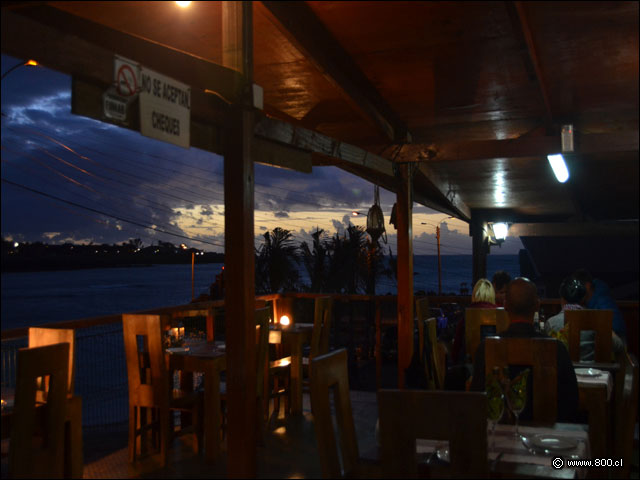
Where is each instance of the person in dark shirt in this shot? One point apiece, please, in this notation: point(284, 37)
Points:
point(521, 303)
point(599, 298)
point(500, 280)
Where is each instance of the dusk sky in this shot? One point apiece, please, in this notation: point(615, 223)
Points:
point(105, 184)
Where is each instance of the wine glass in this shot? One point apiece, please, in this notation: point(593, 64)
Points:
point(496, 410)
point(517, 395)
point(495, 397)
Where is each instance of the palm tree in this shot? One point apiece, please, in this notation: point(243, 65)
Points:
point(348, 261)
point(276, 263)
point(315, 261)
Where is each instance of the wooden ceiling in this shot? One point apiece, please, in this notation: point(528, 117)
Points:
point(473, 93)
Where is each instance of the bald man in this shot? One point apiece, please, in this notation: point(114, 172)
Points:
point(521, 304)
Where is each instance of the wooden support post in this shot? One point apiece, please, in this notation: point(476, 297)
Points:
point(480, 239)
point(404, 209)
point(240, 273)
point(378, 347)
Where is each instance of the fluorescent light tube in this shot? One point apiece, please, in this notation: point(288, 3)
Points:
point(559, 167)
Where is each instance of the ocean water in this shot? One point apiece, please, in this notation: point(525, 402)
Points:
point(35, 298)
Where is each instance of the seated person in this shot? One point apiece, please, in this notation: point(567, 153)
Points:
point(572, 296)
point(599, 298)
point(521, 304)
point(483, 297)
point(500, 280)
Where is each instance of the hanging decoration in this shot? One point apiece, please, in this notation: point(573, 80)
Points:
point(375, 219)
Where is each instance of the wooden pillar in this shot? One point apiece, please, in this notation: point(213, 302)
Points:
point(404, 209)
point(239, 262)
point(480, 240)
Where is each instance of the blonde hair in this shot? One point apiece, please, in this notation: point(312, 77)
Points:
point(483, 292)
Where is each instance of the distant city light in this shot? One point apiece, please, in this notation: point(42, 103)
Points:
point(33, 63)
point(559, 167)
point(16, 244)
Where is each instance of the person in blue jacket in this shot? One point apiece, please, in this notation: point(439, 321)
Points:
point(599, 298)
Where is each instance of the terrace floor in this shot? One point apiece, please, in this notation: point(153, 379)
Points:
point(279, 457)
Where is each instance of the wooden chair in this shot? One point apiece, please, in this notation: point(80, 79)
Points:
point(538, 353)
point(475, 319)
point(432, 354)
point(329, 373)
point(151, 396)
point(38, 434)
point(39, 337)
point(208, 313)
point(459, 417)
point(626, 412)
point(599, 321)
point(262, 316)
point(323, 313)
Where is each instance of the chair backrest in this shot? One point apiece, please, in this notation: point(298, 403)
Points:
point(321, 326)
point(39, 337)
point(422, 313)
point(432, 353)
point(327, 371)
point(538, 353)
point(626, 411)
point(207, 312)
point(599, 321)
point(29, 458)
point(146, 368)
point(262, 345)
point(438, 354)
point(459, 417)
point(475, 319)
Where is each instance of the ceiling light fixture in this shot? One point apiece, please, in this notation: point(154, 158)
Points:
point(557, 161)
point(183, 4)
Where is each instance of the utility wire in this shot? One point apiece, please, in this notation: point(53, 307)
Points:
point(107, 214)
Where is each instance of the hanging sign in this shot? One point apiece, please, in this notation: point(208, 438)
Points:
point(126, 76)
point(114, 106)
point(165, 107)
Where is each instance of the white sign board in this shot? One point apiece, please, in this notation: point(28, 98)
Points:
point(114, 106)
point(165, 108)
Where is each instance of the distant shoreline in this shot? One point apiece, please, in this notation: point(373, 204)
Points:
point(17, 263)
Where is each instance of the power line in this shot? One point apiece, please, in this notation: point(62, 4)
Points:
point(107, 214)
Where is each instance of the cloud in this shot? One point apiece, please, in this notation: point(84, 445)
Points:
point(206, 210)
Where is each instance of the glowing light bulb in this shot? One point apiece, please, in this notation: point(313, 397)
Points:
point(183, 4)
point(284, 320)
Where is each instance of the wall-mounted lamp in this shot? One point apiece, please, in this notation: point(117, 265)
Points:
point(498, 233)
point(556, 161)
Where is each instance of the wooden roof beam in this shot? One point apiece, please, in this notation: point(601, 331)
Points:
point(307, 33)
point(568, 229)
point(328, 151)
point(523, 32)
point(525, 146)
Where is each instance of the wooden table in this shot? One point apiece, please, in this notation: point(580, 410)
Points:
point(514, 460)
point(73, 444)
point(205, 357)
point(295, 336)
point(595, 399)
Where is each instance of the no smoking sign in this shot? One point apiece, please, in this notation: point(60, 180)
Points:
point(126, 75)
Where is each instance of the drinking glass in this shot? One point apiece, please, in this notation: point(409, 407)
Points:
point(496, 410)
point(517, 395)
